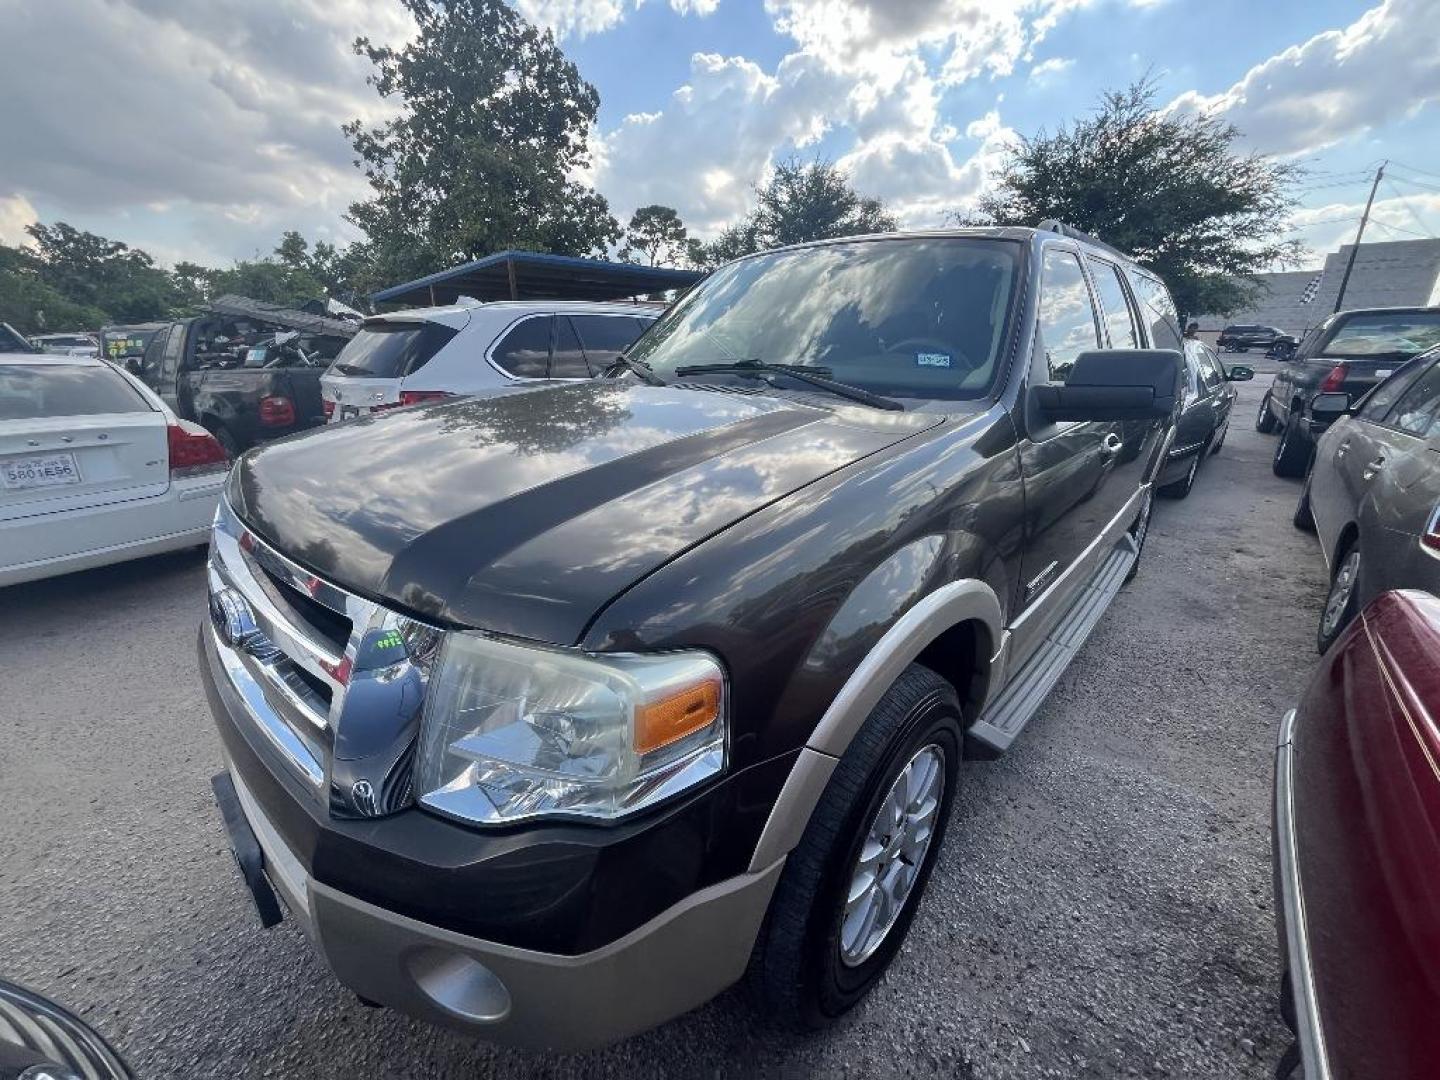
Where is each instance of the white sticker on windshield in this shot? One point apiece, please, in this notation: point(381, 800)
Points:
point(932, 359)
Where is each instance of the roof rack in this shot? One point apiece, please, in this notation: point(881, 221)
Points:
point(1059, 227)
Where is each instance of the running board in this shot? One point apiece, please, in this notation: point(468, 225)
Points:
point(1007, 715)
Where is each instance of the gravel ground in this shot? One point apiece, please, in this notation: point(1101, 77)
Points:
point(1102, 907)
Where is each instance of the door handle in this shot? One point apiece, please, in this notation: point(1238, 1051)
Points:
point(1111, 444)
point(1373, 467)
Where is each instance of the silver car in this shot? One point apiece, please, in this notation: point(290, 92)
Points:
point(1373, 493)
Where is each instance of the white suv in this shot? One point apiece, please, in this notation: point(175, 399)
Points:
point(411, 356)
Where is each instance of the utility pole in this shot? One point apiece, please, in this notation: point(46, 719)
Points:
point(1350, 263)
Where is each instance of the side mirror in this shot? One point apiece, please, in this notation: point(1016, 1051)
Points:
point(1240, 373)
point(1115, 384)
point(1327, 408)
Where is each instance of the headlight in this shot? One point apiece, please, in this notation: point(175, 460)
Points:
point(517, 731)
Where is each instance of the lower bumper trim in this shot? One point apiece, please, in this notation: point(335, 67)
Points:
point(249, 859)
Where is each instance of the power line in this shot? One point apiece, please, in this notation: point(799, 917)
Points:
point(1404, 201)
point(1407, 232)
point(1422, 172)
point(1418, 183)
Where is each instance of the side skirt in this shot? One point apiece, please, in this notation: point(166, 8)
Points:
point(1006, 716)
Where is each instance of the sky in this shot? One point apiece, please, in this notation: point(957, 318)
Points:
point(202, 129)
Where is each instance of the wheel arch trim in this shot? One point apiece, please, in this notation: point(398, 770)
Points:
point(968, 600)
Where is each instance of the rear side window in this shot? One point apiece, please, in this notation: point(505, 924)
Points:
point(607, 336)
point(1158, 311)
point(568, 359)
point(392, 350)
point(1377, 403)
point(525, 351)
point(33, 392)
point(1419, 407)
point(1067, 314)
point(1116, 309)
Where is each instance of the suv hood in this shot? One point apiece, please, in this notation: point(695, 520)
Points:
point(524, 513)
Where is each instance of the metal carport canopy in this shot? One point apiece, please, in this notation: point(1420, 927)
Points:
point(529, 275)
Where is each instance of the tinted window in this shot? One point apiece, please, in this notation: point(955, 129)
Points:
point(391, 350)
point(525, 351)
point(568, 360)
point(607, 336)
point(1385, 334)
point(1158, 310)
point(1418, 407)
point(1377, 403)
point(1192, 368)
point(1114, 307)
point(33, 392)
point(1067, 315)
point(909, 317)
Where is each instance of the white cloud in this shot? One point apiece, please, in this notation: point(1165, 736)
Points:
point(581, 18)
point(15, 213)
point(1383, 66)
point(1047, 70)
point(1402, 216)
point(231, 115)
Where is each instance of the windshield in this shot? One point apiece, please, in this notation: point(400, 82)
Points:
point(1385, 333)
point(920, 318)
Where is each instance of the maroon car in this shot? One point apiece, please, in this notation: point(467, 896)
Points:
point(1357, 850)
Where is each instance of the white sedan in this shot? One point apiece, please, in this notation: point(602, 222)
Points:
point(95, 469)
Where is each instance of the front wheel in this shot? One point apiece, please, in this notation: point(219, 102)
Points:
point(1304, 517)
point(1182, 487)
point(1343, 600)
point(850, 888)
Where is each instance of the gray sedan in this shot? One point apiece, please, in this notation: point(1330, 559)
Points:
point(1374, 490)
point(1204, 417)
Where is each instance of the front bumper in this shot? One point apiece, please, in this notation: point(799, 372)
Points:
point(343, 882)
point(676, 961)
point(1290, 909)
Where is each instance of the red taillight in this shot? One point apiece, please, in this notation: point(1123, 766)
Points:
point(329, 407)
point(1430, 538)
point(1334, 382)
point(193, 450)
point(277, 411)
point(414, 397)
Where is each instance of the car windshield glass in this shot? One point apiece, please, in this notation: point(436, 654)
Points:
point(391, 350)
point(921, 318)
point(34, 391)
point(1386, 333)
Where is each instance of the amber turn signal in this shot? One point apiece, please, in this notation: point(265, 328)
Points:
point(662, 722)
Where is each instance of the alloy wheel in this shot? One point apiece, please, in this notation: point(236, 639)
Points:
point(891, 856)
point(1340, 592)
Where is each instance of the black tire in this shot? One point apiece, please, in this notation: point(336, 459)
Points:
point(1265, 421)
point(1303, 519)
point(796, 974)
point(1292, 452)
point(225, 439)
point(1347, 561)
point(1139, 529)
point(1220, 440)
point(1182, 487)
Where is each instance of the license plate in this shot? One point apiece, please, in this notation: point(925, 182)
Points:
point(42, 470)
point(349, 412)
point(1384, 372)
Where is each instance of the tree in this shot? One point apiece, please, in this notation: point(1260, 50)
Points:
point(799, 203)
point(105, 275)
point(32, 306)
point(1170, 188)
point(656, 236)
point(493, 122)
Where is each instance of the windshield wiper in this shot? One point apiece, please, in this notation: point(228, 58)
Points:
point(804, 373)
point(639, 367)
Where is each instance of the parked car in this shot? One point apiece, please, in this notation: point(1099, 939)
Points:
point(1346, 354)
point(1373, 494)
point(429, 353)
point(67, 344)
point(95, 469)
point(550, 713)
point(126, 344)
point(12, 341)
point(1357, 853)
point(1243, 337)
point(43, 1040)
point(231, 372)
point(1204, 418)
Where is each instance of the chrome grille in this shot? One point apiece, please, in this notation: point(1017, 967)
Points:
point(306, 657)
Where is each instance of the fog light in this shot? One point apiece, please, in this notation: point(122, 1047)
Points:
point(459, 984)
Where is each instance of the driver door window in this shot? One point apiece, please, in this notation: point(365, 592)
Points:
point(1068, 323)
